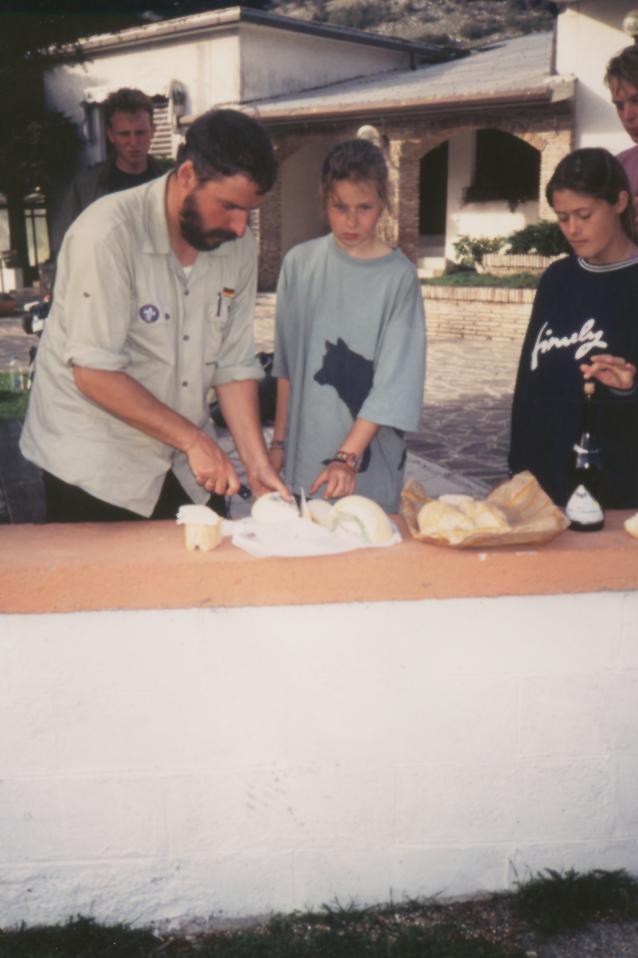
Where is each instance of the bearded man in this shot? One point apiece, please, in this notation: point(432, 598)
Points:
point(153, 305)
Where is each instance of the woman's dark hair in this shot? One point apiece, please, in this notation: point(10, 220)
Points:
point(355, 160)
point(594, 172)
point(224, 143)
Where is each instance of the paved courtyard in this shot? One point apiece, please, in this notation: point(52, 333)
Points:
point(461, 445)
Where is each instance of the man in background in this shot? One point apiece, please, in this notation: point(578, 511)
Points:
point(128, 115)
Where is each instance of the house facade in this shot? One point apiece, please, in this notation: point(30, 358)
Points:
point(588, 34)
point(470, 141)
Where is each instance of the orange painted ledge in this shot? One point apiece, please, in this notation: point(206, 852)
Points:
point(69, 568)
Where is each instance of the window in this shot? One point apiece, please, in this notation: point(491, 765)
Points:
point(506, 168)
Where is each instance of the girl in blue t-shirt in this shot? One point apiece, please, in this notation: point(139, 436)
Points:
point(584, 325)
point(349, 343)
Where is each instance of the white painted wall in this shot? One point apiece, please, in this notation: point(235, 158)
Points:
point(275, 62)
point(208, 69)
point(238, 63)
point(588, 35)
point(461, 160)
point(222, 763)
point(493, 218)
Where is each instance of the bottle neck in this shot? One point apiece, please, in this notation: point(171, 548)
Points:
point(588, 413)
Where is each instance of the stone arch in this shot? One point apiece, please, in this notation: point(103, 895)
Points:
point(550, 134)
point(291, 213)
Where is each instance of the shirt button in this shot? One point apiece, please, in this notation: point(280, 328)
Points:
point(185, 292)
point(186, 336)
point(185, 382)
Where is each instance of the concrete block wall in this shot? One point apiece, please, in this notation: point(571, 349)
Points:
point(178, 765)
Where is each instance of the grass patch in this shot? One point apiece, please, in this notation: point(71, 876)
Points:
point(78, 938)
point(13, 405)
point(554, 901)
point(468, 277)
point(498, 926)
point(401, 931)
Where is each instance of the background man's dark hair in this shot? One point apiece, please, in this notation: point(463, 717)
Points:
point(624, 66)
point(127, 100)
point(224, 143)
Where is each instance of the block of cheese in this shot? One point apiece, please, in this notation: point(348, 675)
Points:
point(202, 527)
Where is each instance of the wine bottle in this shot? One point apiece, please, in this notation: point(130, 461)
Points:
point(584, 506)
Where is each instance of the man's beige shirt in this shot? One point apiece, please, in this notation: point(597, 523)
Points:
point(122, 302)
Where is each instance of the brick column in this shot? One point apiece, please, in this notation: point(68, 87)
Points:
point(270, 239)
point(405, 155)
point(270, 227)
point(557, 145)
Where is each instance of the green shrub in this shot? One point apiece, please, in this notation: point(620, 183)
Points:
point(543, 238)
point(555, 900)
point(472, 249)
point(13, 402)
point(469, 277)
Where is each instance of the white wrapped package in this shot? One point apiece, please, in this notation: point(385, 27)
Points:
point(358, 524)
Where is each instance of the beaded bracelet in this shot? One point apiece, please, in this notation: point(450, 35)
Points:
point(277, 444)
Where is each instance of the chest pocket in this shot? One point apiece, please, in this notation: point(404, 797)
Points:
point(217, 325)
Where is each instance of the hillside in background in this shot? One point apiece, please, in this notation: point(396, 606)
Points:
point(457, 23)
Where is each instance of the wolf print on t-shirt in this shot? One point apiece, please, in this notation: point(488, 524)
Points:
point(351, 375)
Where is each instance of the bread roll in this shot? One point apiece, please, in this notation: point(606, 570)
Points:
point(631, 525)
point(452, 517)
point(485, 516)
point(439, 520)
point(455, 499)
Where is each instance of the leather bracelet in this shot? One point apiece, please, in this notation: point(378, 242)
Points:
point(349, 459)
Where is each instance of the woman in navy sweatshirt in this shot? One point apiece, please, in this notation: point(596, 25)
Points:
point(584, 325)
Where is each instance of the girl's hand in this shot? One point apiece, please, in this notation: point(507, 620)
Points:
point(612, 371)
point(340, 481)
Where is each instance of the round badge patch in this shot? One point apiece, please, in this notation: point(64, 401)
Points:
point(149, 313)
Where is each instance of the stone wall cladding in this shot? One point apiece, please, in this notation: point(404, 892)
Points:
point(504, 264)
point(269, 239)
point(477, 312)
point(548, 129)
point(451, 313)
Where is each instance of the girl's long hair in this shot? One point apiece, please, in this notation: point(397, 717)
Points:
point(594, 172)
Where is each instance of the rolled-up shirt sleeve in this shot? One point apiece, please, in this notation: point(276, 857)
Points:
point(97, 308)
point(238, 353)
